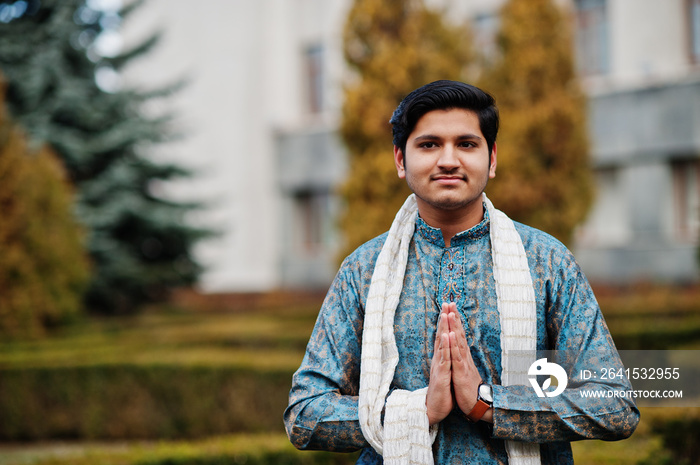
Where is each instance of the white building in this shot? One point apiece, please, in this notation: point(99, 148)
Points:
point(640, 63)
point(262, 105)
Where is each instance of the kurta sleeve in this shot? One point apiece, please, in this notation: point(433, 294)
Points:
point(579, 339)
point(323, 401)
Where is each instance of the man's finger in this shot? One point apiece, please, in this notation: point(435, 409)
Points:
point(456, 328)
point(442, 327)
point(455, 351)
point(445, 355)
point(456, 320)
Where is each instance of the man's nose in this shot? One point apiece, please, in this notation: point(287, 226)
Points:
point(448, 157)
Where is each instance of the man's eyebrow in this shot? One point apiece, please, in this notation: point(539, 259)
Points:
point(469, 137)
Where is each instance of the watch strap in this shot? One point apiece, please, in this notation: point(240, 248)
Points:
point(478, 411)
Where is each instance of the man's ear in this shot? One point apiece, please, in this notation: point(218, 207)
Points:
point(399, 162)
point(493, 162)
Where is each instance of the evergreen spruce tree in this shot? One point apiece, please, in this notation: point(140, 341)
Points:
point(393, 48)
point(139, 243)
point(544, 176)
point(44, 267)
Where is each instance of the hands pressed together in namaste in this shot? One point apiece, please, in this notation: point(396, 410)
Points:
point(454, 379)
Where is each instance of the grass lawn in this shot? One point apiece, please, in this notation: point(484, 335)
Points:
point(628, 452)
point(233, 450)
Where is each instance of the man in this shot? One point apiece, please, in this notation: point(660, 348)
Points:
point(423, 346)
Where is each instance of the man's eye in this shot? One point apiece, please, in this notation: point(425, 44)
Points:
point(427, 145)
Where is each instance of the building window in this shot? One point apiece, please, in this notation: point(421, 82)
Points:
point(485, 30)
point(686, 186)
point(313, 63)
point(592, 37)
point(310, 213)
point(608, 223)
point(694, 19)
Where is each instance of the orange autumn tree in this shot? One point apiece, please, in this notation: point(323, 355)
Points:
point(392, 48)
point(544, 176)
point(43, 269)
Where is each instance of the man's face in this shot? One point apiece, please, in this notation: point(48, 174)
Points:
point(447, 163)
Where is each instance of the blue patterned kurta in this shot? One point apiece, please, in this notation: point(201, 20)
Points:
point(323, 412)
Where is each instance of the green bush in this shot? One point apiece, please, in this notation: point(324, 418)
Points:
point(44, 267)
point(139, 402)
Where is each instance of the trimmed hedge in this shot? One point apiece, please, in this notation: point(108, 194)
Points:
point(139, 402)
point(652, 317)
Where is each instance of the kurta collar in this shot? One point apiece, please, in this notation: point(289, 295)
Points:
point(434, 235)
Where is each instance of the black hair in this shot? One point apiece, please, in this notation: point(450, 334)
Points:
point(444, 95)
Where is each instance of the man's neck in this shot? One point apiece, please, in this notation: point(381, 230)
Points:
point(452, 222)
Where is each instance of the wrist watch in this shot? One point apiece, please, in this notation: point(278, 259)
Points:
point(484, 401)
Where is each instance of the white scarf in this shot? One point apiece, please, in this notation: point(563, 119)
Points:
point(405, 436)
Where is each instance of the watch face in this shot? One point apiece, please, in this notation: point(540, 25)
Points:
point(486, 393)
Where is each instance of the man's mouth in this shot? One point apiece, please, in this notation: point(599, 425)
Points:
point(448, 179)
